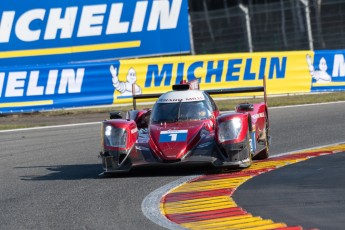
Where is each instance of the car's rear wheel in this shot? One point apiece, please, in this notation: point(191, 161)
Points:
point(264, 154)
point(249, 152)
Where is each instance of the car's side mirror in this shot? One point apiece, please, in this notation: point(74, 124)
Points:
point(245, 107)
point(116, 115)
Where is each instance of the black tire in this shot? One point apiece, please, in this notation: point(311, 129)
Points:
point(264, 154)
point(250, 155)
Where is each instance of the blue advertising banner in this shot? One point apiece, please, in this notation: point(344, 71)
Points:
point(327, 70)
point(46, 87)
point(34, 32)
point(55, 87)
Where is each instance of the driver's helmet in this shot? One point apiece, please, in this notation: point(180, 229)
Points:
point(197, 110)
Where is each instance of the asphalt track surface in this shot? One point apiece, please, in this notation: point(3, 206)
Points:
point(49, 178)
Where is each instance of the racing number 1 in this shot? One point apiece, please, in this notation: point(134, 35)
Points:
point(173, 136)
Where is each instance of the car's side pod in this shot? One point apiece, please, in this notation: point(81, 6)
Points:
point(233, 137)
point(119, 133)
point(117, 140)
point(141, 117)
point(129, 115)
point(232, 128)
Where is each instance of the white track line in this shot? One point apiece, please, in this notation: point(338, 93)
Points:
point(300, 150)
point(92, 123)
point(151, 203)
point(304, 105)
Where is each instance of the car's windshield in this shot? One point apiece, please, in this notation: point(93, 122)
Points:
point(180, 111)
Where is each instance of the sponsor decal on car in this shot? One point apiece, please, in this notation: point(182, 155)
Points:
point(134, 130)
point(173, 136)
point(258, 115)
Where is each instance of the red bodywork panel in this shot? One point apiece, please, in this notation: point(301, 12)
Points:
point(244, 120)
point(131, 129)
point(258, 117)
point(175, 150)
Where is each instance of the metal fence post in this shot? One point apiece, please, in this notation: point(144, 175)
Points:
point(208, 20)
point(191, 38)
point(307, 16)
point(249, 33)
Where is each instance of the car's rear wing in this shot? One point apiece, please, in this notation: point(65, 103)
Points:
point(144, 96)
point(193, 85)
point(241, 90)
point(184, 85)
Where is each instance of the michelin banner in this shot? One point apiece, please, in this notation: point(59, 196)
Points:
point(287, 72)
point(327, 70)
point(33, 88)
point(34, 32)
point(105, 83)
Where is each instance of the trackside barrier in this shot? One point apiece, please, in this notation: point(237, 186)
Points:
point(37, 88)
point(45, 32)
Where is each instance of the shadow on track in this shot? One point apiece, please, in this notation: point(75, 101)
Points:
point(168, 170)
point(94, 171)
point(65, 172)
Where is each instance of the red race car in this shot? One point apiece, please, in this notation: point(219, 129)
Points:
point(185, 126)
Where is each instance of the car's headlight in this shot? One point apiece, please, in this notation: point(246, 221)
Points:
point(115, 137)
point(229, 130)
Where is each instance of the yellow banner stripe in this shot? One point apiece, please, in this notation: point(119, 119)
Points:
point(329, 84)
point(71, 49)
point(26, 103)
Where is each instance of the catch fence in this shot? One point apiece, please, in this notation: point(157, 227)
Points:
point(279, 26)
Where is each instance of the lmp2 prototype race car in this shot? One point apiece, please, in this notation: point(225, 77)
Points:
point(185, 126)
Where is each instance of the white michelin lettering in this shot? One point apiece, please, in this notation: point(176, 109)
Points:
point(57, 22)
point(33, 88)
point(115, 26)
point(23, 30)
point(6, 23)
point(2, 78)
point(91, 20)
point(167, 17)
point(139, 16)
point(72, 80)
point(20, 83)
point(52, 78)
point(338, 66)
point(61, 22)
point(15, 84)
